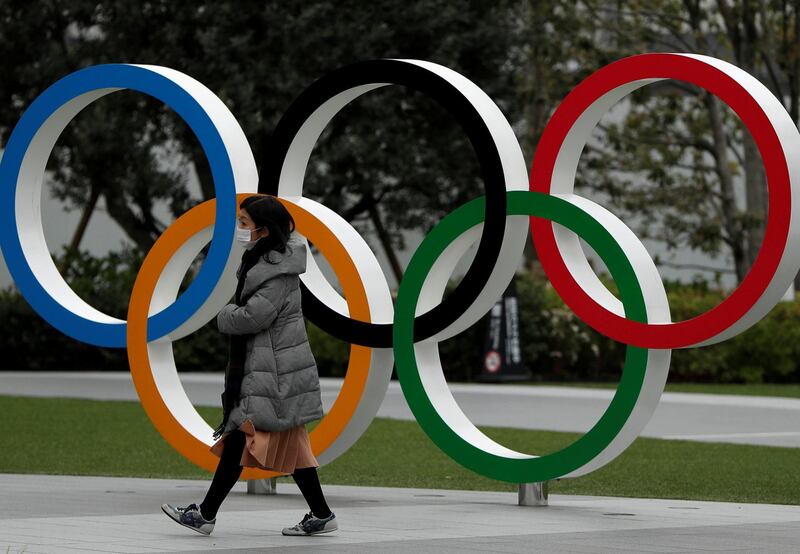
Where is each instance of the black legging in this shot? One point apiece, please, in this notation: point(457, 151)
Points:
point(229, 470)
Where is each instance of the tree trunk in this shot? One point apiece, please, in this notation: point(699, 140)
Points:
point(537, 105)
point(756, 194)
point(793, 62)
point(86, 215)
point(83, 223)
point(136, 229)
point(386, 241)
point(531, 258)
point(727, 198)
point(754, 177)
point(740, 26)
point(203, 170)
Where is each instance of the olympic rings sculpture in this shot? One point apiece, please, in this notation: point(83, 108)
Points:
point(406, 333)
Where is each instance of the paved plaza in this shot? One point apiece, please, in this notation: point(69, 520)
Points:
point(69, 514)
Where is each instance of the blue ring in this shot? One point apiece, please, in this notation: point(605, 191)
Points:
point(144, 80)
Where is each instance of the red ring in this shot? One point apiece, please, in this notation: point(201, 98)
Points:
point(738, 303)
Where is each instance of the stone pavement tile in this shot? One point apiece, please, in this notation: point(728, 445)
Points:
point(589, 543)
point(752, 538)
point(28, 548)
point(154, 532)
point(59, 530)
point(429, 546)
point(30, 537)
point(784, 537)
point(694, 541)
point(577, 541)
point(10, 547)
point(558, 542)
point(520, 544)
point(373, 518)
point(74, 548)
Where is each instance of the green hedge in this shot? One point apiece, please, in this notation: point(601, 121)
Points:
point(30, 343)
point(768, 352)
point(556, 345)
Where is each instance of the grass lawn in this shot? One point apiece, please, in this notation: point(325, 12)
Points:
point(758, 389)
point(89, 437)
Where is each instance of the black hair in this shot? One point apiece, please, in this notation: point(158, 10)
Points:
point(267, 211)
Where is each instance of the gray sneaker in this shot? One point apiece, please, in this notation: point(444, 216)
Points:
point(190, 517)
point(312, 525)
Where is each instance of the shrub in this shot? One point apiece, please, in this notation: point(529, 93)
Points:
point(556, 345)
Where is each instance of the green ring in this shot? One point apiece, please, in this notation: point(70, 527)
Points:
point(583, 450)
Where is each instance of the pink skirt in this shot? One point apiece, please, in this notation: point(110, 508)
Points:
point(282, 451)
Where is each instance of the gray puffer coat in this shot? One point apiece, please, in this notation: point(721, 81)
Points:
point(280, 385)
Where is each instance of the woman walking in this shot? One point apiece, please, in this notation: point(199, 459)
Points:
point(271, 382)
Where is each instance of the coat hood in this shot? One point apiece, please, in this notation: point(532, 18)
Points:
point(291, 262)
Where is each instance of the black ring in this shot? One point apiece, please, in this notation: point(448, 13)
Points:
point(423, 80)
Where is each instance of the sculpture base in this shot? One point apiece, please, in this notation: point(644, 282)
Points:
point(533, 494)
point(262, 486)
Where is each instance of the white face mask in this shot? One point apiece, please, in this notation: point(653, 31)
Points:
point(243, 236)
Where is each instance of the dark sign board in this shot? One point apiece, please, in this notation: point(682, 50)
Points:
point(502, 354)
